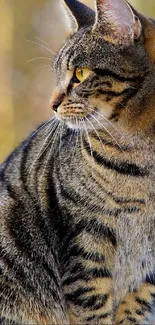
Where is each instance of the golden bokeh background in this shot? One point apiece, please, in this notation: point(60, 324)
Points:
point(30, 32)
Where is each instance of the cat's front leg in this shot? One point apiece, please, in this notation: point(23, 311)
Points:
point(91, 302)
point(138, 308)
point(88, 283)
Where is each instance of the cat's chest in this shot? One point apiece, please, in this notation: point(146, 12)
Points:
point(135, 253)
point(117, 217)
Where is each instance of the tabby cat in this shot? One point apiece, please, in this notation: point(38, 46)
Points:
point(77, 198)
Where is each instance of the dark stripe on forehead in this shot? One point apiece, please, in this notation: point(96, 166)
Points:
point(67, 52)
point(75, 45)
point(106, 72)
point(72, 51)
point(59, 56)
point(63, 54)
point(69, 58)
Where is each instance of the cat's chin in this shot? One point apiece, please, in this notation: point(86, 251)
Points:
point(73, 123)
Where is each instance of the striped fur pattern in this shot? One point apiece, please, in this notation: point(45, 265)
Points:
point(77, 198)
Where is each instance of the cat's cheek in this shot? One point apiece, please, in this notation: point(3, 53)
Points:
point(105, 109)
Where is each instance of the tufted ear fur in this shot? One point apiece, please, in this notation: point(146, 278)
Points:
point(117, 21)
point(149, 36)
point(79, 14)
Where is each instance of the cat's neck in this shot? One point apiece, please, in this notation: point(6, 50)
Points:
point(114, 145)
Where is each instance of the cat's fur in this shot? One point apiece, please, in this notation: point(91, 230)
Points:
point(77, 198)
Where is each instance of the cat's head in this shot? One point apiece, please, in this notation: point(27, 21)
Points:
point(105, 70)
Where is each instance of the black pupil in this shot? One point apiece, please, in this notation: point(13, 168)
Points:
point(81, 72)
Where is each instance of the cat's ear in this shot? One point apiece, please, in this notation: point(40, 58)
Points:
point(117, 21)
point(79, 15)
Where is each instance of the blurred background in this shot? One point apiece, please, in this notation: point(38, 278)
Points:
point(31, 31)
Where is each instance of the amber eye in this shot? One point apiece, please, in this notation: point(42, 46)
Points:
point(82, 73)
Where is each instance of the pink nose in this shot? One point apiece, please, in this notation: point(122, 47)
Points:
point(56, 100)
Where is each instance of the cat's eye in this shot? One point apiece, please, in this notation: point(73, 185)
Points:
point(82, 73)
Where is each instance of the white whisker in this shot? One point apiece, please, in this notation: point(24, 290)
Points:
point(52, 120)
point(81, 139)
point(47, 143)
point(43, 46)
point(61, 133)
point(78, 131)
point(76, 141)
point(89, 141)
point(47, 66)
point(106, 120)
point(42, 150)
point(39, 39)
point(107, 131)
point(52, 139)
point(98, 137)
point(38, 58)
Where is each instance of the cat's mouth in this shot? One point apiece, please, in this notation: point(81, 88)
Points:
point(74, 117)
point(82, 117)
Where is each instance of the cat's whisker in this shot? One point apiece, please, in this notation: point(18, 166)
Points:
point(73, 147)
point(42, 150)
point(131, 87)
point(41, 45)
point(51, 127)
point(60, 141)
point(77, 135)
point(72, 131)
point(75, 122)
point(48, 142)
point(39, 39)
point(122, 104)
point(40, 153)
point(89, 141)
point(99, 123)
point(98, 137)
point(106, 120)
point(47, 66)
point(52, 120)
point(38, 58)
point(53, 139)
point(81, 137)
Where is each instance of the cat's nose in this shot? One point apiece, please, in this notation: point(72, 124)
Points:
point(56, 100)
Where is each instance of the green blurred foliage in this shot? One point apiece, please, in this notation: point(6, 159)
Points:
point(31, 31)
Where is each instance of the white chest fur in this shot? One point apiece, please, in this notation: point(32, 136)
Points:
point(135, 256)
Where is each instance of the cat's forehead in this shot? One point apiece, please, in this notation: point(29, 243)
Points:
point(89, 49)
point(85, 48)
